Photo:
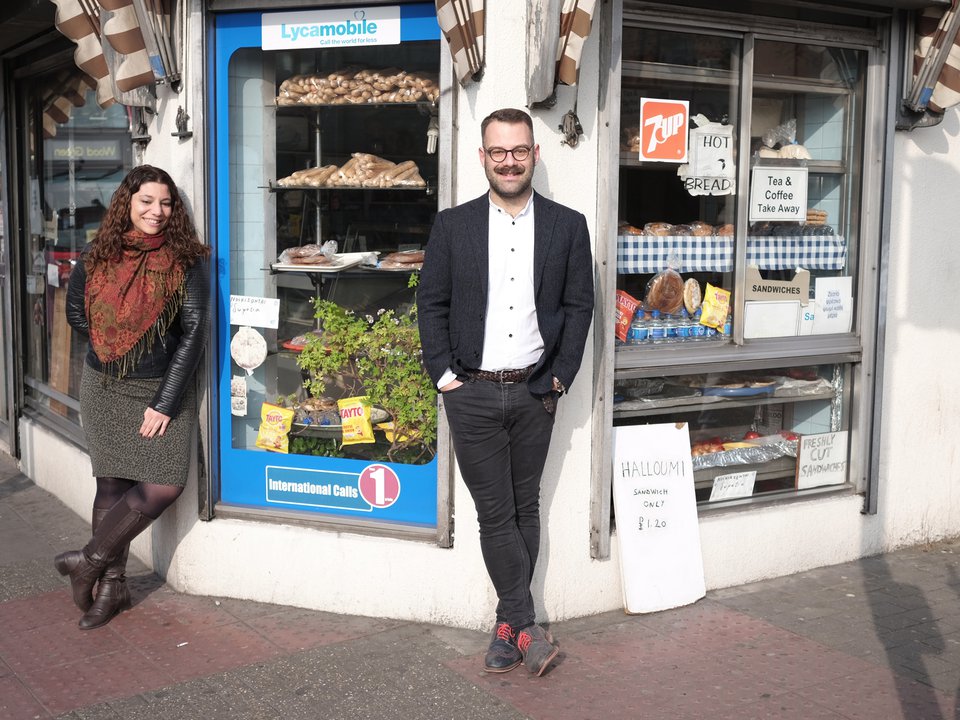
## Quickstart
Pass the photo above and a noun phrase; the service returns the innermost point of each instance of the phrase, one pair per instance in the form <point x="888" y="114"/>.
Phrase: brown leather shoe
<point x="113" y="595"/>
<point x="503" y="654"/>
<point x="537" y="647"/>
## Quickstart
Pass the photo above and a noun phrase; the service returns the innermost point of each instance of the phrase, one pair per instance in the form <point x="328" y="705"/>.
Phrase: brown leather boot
<point x="113" y="595"/>
<point x="66" y="562"/>
<point x="119" y="525"/>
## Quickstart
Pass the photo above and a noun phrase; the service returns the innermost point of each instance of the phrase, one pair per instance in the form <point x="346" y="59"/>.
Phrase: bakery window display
<point x="671" y="311"/>
<point x="353" y="178"/>
<point x="749" y="421"/>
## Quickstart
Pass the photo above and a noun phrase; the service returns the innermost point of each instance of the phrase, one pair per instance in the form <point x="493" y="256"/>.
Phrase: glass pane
<point x="747" y="428"/>
<point x="677" y="221"/>
<point x="77" y="155"/>
<point x="295" y="113"/>
<point x="806" y="128"/>
<point x="4" y="399"/>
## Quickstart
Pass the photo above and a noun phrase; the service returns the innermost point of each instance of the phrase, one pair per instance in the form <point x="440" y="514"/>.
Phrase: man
<point x="505" y="301"/>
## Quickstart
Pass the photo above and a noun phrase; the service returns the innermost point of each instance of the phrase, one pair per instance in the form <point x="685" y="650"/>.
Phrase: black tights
<point x="147" y="498"/>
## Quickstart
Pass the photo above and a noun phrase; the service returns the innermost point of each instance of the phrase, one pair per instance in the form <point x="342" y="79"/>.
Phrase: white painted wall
<point x="345" y="573"/>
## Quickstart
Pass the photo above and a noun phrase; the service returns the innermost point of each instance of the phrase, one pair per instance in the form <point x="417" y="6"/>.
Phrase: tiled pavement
<point x="877" y="639"/>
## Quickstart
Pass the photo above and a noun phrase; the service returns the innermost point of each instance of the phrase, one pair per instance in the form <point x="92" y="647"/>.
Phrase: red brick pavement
<point x="49" y="666"/>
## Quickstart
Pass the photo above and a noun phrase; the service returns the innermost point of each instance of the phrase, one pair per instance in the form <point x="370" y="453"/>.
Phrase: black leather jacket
<point x="175" y="355"/>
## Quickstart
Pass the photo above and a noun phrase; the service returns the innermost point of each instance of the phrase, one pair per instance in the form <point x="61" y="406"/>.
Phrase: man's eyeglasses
<point x="497" y="154"/>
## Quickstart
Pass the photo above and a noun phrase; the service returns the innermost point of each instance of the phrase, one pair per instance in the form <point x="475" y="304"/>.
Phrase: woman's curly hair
<point x="181" y="236"/>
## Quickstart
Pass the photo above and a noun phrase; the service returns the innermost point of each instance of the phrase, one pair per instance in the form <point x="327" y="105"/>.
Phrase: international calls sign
<point x="343" y="27"/>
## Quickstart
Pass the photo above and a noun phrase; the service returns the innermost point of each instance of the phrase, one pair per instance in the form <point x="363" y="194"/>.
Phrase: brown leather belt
<point x="504" y="377"/>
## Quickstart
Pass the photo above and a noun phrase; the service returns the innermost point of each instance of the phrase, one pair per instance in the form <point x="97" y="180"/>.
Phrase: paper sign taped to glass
<point x="711" y="170"/>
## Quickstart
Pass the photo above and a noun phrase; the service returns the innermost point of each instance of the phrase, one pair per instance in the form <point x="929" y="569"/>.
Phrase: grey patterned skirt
<point x="111" y="412"/>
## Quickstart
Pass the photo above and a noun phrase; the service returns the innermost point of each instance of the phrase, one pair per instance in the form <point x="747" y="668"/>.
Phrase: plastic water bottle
<point x="638" y="332"/>
<point x="700" y="332"/>
<point x="684" y="326"/>
<point x="670" y="328"/>
<point x="657" y="333"/>
<point x="727" y="325"/>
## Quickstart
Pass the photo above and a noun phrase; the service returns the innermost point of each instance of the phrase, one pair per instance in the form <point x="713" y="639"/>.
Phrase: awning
<point x="555" y="44"/>
<point x="936" y="60"/>
<point x="575" y="21"/>
<point x="462" y="24"/>
<point x="70" y="92"/>
<point x="124" y="45"/>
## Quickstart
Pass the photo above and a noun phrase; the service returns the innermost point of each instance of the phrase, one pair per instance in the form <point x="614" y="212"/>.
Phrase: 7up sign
<point x="663" y="130"/>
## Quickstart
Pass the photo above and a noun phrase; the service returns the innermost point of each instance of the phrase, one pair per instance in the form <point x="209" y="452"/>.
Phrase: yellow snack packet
<point x="716" y="304"/>
<point x="355" y="420"/>
<point x="275" y="423"/>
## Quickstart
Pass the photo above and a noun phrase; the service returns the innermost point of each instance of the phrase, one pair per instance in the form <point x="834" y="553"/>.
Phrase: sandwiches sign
<point x="343" y="27"/>
<point x="663" y="130"/>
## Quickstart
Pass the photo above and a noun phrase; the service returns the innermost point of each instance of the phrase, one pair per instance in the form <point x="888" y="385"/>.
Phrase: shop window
<point x="328" y="190"/>
<point x="75" y="155"/>
<point x="739" y="249"/>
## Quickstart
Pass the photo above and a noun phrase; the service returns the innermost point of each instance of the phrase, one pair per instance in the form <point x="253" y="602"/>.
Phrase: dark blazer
<point x="452" y="295"/>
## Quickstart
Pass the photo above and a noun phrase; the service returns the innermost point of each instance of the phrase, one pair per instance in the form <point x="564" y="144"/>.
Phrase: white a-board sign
<point x="656" y="513"/>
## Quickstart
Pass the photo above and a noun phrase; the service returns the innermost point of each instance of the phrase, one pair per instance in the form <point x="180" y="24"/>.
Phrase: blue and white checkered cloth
<point x="649" y="253"/>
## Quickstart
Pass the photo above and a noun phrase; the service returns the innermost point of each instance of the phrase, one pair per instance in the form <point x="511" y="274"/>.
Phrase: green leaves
<point x="381" y="358"/>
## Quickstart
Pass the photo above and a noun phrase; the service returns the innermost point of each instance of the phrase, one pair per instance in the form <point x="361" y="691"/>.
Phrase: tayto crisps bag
<point x="275" y="425"/>
<point x="355" y="420"/>
<point x="626" y="309"/>
<point x="716" y="304"/>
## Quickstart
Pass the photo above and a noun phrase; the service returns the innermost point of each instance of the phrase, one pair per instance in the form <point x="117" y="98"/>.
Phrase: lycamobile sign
<point x="330" y="28"/>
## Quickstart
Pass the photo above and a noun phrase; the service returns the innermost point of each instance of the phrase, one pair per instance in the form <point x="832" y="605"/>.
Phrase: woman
<point x="140" y="293"/>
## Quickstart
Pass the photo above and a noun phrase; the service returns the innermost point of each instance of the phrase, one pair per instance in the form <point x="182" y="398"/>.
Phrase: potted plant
<point x="379" y="357"/>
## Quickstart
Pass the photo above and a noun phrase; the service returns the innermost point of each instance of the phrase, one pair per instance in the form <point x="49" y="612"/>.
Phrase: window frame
<point x="856" y="350"/>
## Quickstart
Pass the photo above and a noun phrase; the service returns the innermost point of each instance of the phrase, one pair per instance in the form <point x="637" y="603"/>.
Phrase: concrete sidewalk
<point x="877" y="639"/>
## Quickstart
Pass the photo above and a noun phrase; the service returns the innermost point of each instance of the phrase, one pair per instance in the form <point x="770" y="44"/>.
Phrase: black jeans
<point x="501" y="434"/>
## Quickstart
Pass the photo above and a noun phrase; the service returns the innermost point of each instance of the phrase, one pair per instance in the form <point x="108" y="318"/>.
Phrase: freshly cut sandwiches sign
<point x="343" y="27"/>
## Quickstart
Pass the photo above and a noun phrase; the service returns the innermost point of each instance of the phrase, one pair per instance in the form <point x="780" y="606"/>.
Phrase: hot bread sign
<point x="663" y="130"/>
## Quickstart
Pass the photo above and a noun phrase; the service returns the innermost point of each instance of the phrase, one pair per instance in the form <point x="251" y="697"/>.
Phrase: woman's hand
<point x="154" y="423"/>
<point x="452" y="385"/>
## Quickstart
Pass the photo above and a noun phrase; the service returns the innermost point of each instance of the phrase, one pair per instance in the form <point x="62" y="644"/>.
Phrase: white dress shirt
<point x="511" y="335"/>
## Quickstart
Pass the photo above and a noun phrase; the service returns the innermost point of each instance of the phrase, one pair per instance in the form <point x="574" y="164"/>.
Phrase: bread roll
<point x="406" y="256"/>
<point x="665" y="292"/>
<point x="691" y="295"/>
<point x="658" y="228"/>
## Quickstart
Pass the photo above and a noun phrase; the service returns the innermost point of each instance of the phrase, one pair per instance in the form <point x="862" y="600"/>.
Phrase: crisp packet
<point x="626" y="309"/>
<point x="355" y="420"/>
<point x="275" y="423"/>
<point x="716" y="304"/>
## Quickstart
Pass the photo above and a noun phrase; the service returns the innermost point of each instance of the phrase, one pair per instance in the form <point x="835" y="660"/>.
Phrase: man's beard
<point x="509" y="192"/>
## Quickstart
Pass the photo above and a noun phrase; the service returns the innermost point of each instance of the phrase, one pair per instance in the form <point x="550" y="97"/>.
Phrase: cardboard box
<point x="759" y="289"/>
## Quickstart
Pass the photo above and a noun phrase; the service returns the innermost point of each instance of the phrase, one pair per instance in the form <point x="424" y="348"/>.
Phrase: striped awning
<point x="555" y="44"/>
<point x="70" y="93"/>
<point x="124" y="45"/>
<point x="462" y="24"/>
<point x="936" y="60"/>
<point x="575" y="21"/>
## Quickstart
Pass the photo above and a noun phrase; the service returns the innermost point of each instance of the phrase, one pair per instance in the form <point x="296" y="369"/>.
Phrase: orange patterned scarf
<point x="133" y="301"/>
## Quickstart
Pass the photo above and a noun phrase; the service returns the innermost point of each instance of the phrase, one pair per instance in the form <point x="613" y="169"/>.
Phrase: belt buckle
<point x="501" y="375"/>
